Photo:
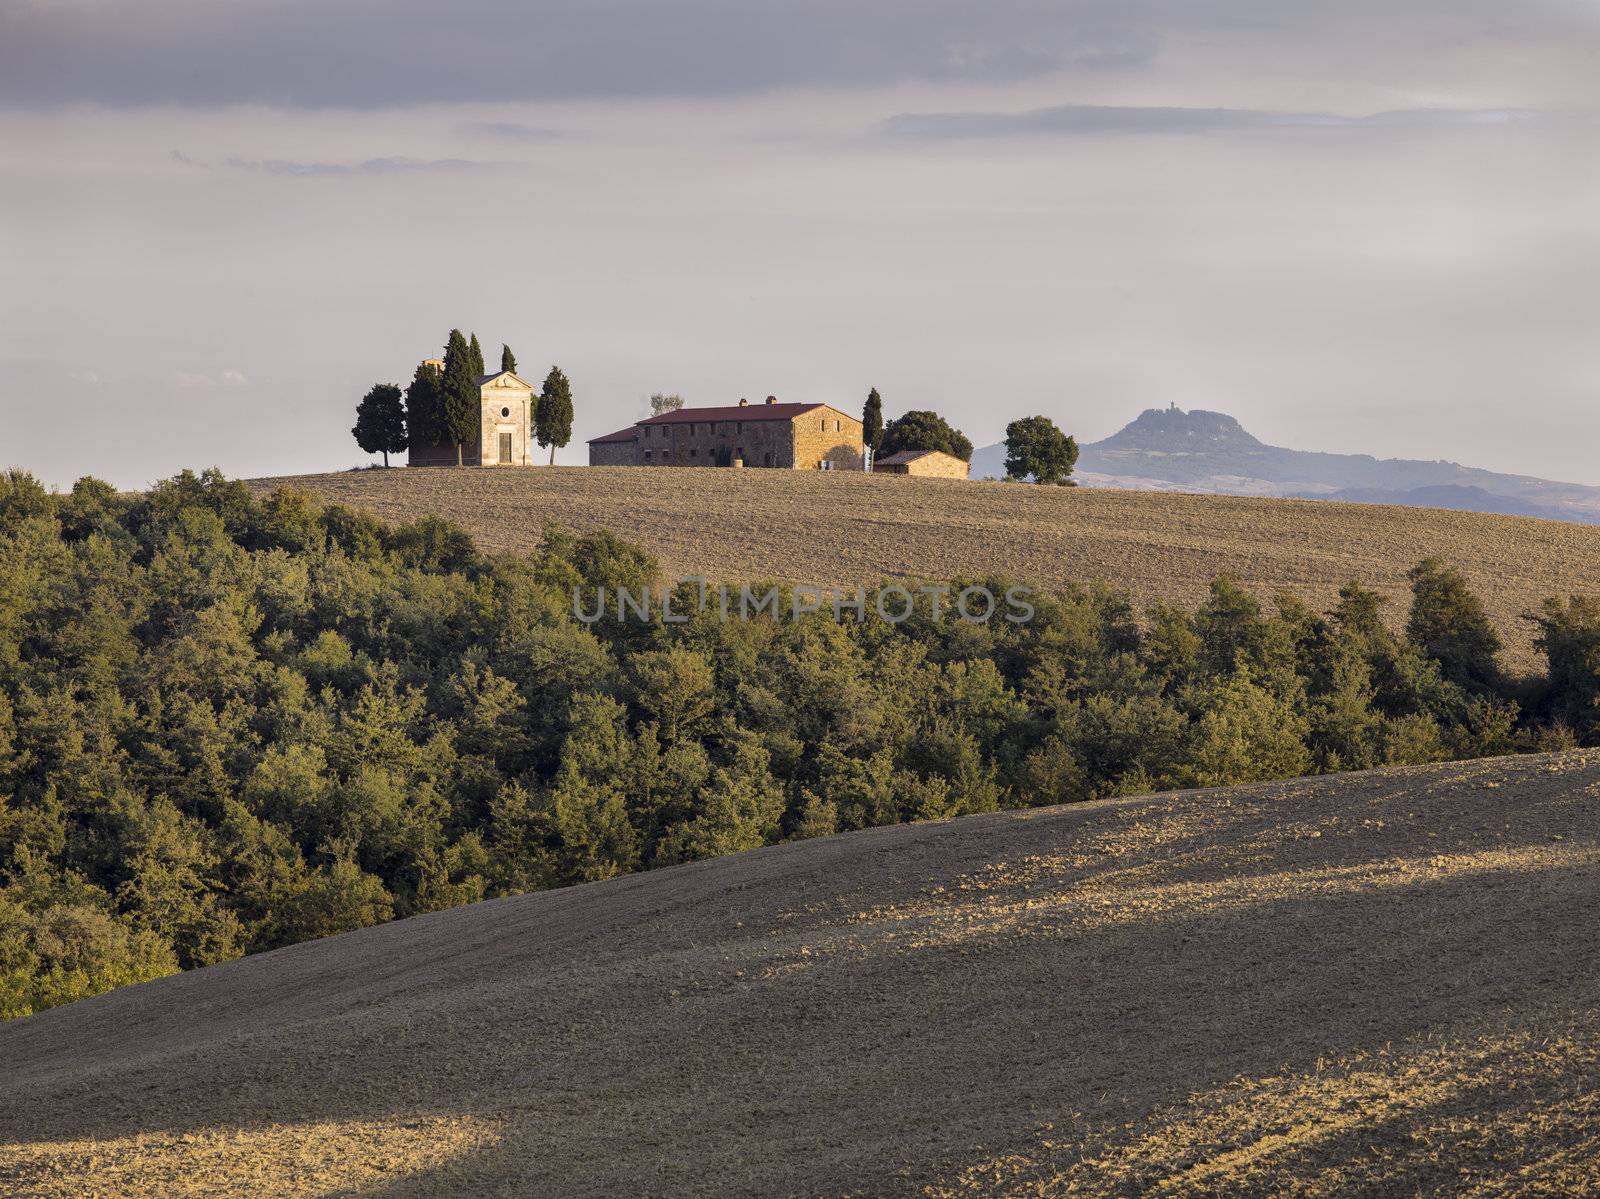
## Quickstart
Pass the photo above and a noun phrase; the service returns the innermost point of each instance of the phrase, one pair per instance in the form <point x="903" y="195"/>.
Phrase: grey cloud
<point x="510" y="131"/>
<point x="1096" y="118"/>
<point x="367" y="54"/>
<point x="386" y="53"/>
<point x="370" y="166"/>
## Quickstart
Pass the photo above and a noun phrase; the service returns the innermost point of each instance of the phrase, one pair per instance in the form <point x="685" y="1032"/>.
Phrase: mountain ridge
<point x="1170" y="449"/>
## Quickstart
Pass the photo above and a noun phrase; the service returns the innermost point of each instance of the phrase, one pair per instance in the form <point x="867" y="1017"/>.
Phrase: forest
<point x="229" y="724"/>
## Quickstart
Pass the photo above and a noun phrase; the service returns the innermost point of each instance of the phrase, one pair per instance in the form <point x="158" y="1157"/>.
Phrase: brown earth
<point x="1369" y="984"/>
<point x="846" y="529"/>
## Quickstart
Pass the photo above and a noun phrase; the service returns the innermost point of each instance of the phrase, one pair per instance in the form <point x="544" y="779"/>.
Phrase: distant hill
<point x="1376" y="983"/>
<point x="1210" y="452"/>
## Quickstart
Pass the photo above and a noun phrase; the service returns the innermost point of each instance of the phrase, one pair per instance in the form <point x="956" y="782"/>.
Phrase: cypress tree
<point x="872" y="421"/>
<point x="381" y="422"/>
<point x="463" y="421"/>
<point x="508" y="360"/>
<point x="424" y="420"/>
<point x="476" y="352"/>
<point x="552" y="413"/>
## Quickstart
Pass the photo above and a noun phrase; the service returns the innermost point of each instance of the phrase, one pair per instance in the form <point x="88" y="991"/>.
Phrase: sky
<point x="1365" y="227"/>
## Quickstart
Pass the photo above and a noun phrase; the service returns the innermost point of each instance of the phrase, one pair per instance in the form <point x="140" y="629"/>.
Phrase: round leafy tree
<point x="922" y="430"/>
<point x="1034" y="446"/>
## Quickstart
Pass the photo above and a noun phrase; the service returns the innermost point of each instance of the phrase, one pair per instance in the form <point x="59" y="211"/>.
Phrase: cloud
<point x="510" y="131"/>
<point x="402" y="53"/>
<point x="194" y="379"/>
<point x="358" y="54"/>
<point x="370" y="166"/>
<point x="1111" y="119"/>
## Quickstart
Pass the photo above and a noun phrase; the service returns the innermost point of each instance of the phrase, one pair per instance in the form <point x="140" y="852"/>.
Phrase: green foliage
<point x="67" y="951"/>
<point x="1449" y="625"/>
<point x="1569" y="638"/>
<point x="508" y="360"/>
<point x="22" y="496"/>
<point x="1245" y="733"/>
<point x="921" y="430"/>
<point x="1036" y="448"/>
<point x="872" y="420"/>
<point x="552" y="412"/>
<point x="475" y="357"/>
<point x="461" y="397"/>
<point x="381" y="421"/>
<point x="229" y="724"/>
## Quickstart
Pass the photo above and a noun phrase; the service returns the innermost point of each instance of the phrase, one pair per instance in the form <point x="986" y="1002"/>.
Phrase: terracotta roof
<point x="755" y="411"/>
<point x="905" y="456"/>
<point x="482" y="379"/>
<point x="631" y="433"/>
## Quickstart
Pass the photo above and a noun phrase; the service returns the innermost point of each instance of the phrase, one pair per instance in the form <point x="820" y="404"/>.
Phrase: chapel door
<point x="505" y="449"/>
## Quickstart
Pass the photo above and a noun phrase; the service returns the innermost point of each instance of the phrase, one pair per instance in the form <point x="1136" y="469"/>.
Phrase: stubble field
<point x="1368" y="984"/>
<point x="848" y="529"/>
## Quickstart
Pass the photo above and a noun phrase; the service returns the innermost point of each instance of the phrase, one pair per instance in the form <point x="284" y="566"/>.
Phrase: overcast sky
<point x="1366" y="226"/>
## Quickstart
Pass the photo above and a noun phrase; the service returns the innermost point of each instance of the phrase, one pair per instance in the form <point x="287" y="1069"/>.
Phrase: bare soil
<point x="847" y="529"/>
<point x="1367" y="984"/>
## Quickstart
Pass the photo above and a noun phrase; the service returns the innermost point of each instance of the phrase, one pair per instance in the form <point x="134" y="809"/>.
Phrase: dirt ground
<point x="1370" y="984"/>
<point x="847" y="529"/>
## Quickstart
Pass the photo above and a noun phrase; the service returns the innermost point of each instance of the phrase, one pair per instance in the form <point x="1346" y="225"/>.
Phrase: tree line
<point x="1035" y="447"/>
<point x="443" y="406"/>
<point x="229" y="723"/>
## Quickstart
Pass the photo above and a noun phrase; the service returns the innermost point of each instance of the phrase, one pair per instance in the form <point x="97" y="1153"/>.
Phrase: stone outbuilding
<point x="505" y="426"/>
<point x="786" y="436"/>
<point x="932" y="464"/>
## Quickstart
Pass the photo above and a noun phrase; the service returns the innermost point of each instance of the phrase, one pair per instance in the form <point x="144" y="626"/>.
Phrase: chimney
<point x="772" y="399"/>
<point x="743" y="403"/>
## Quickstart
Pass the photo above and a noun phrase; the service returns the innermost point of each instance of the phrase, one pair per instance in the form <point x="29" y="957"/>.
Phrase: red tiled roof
<point x="631" y="433"/>
<point x="905" y="456"/>
<point x="684" y="416"/>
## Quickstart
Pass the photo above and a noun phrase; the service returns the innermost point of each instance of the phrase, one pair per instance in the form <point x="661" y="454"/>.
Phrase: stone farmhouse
<point x="505" y="425"/>
<point x="932" y="464"/>
<point x="789" y="436"/>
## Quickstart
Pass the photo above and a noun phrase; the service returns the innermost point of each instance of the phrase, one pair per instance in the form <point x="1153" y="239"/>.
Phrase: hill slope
<point x="844" y="529"/>
<point x="1378" y="983"/>
<point x="1168" y="448"/>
